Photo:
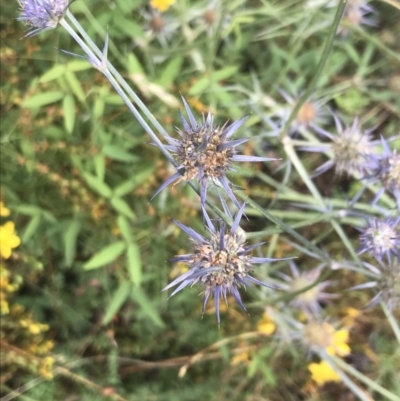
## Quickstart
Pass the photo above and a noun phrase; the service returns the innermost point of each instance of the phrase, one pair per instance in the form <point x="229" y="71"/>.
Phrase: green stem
<point x="392" y="321"/>
<point x="334" y="360"/>
<point x="288" y="229"/>
<point x="320" y="67"/>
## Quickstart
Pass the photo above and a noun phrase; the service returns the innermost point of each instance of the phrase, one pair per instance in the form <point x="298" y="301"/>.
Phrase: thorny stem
<point x="318" y="71"/>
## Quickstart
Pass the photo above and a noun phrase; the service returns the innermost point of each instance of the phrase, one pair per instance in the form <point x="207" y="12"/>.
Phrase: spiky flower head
<point x="204" y="152"/>
<point x="387" y="281"/>
<point x="42" y="15"/>
<point x="312" y="113"/>
<point x="381" y="238"/>
<point x="387" y="171"/>
<point x="355" y="14"/>
<point x="352" y="149"/>
<point x="221" y="262"/>
<point x="309" y="300"/>
<point x="323" y="336"/>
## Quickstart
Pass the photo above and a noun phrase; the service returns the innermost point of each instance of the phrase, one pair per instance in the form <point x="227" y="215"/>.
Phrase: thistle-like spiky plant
<point x="381" y="238"/>
<point x="221" y="263"/>
<point x="42" y="15"/>
<point x="204" y="152"/>
<point x="352" y="149"/>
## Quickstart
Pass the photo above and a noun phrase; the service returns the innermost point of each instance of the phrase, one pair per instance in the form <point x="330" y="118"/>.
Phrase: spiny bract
<point x="42" y="15"/>
<point x="205" y="153"/>
<point x="221" y="263"/>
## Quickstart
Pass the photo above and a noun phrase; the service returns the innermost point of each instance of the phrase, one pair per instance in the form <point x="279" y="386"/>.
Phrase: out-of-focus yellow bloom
<point x="323" y="335"/>
<point x="339" y="343"/>
<point x="4" y="212"/>
<point x="161" y="5"/>
<point x="46" y="367"/>
<point x="351" y="316"/>
<point x="266" y="325"/>
<point x="243" y="357"/>
<point x="322" y="373"/>
<point x="8" y="239"/>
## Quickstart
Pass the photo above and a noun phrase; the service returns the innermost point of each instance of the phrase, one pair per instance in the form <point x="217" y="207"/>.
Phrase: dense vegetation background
<point x="83" y="315"/>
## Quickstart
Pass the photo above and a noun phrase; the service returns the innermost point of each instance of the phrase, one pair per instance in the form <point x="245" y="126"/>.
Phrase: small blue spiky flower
<point x="308" y="301"/>
<point x="42" y="15"/>
<point x="387" y="172"/>
<point x="220" y="263"/>
<point x="204" y="152"/>
<point x="352" y="149"/>
<point x="381" y="238"/>
<point x="386" y="279"/>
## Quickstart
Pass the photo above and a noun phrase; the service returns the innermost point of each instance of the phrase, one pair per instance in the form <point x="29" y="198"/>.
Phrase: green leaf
<point x="97" y="185"/>
<point x="31" y="229"/>
<point x="43" y="99"/>
<point x="75" y="86"/>
<point x="105" y="256"/>
<point x="98" y="108"/>
<point x="134" y="264"/>
<point x="114" y="100"/>
<point x="70" y="236"/>
<point x="122" y="207"/>
<point x="129" y="28"/>
<point x="117" y="153"/>
<point x="134" y="66"/>
<point x="146" y="306"/>
<point x="224" y="73"/>
<point x="203" y="83"/>
<point x="125" y="227"/>
<point x="129" y="185"/>
<point x="69" y="113"/>
<point x="170" y="72"/>
<point x="54" y="73"/>
<point x="100" y="166"/>
<point x="78" y="65"/>
<point x="117" y="300"/>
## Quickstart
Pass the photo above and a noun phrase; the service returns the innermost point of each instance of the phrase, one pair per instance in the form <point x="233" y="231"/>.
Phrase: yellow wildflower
<point x="322" y="373"/>
<point x="323" y="335"/>
<point x="161" y="5"/>
<point x="243" y="357"/>
<point x="351" y="316"/>
<point x="266" y="325"/>
<point x="8" y="239"/>
<point x="4" y="212"/>
<point x="46" y="367"/>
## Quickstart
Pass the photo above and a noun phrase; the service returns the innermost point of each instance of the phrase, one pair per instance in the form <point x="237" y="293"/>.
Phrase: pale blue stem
<point x="393" y="322"/>
<point x="104" y="66"/>
<point x="96" y="60"/>
<point x="118" y="77"/>
<point x="335" y="361"/>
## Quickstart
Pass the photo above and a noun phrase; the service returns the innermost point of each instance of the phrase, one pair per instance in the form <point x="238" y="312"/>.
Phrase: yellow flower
<point x="351" y="316"/>
<point x="339" y="343"/>
<point x="46" y="367"/>
<point x="240" y="358"/>
<point x="8" y="239"/>
<point x="266" y="325"/>
<point x="323" y="335"/>
<point x="161" y="5"/>
<point x="322" y="373"/>
<point x="4" y="212"/>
